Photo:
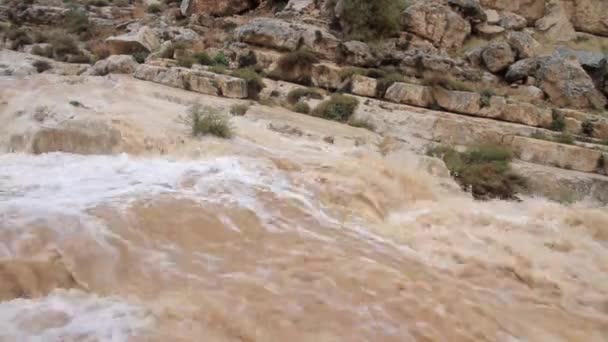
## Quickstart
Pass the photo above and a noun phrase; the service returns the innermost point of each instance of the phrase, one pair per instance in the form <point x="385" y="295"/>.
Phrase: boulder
<point x="554" y="154"/>
<point x="591" y="16"/>
<point x="326" y="75"/>
<point x="572" y="126"/>
<point x="143" y="39"/>
<point x="594" y="63"/>
<point x="473" y="56"/>
<point x="530" y="9"/>
<point x="37" y="14"/>
<point x="457" y="101"/>
<point x="356" y="53"/>
<point x="410" y="94"/>
<point x="363" y="86"/>
<point x="567" y="84"/>
<point x="521" y="69"/>
<point x="470" y="9"/>
<point x="556" y="24"/>
<point x="115" y="64"/>
<point x="489" y="31"/>
<point x="216" y="7"/>
<point x="527" y="114"/>
<point x="498" y="56"/>
<point x="512" y="21"/>
<point x="492" y="17"/>
<point x="79" y="137"/>
<point x="528" y="93"/>
<point x="435" y="21"/>
<point x="283" y="35"/>
<point x="524" y="44"/>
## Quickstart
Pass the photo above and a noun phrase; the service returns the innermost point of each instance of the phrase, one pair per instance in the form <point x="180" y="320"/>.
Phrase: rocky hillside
<point x="528" y="75"/>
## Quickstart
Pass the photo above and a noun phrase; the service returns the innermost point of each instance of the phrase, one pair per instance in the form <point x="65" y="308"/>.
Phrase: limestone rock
<point x="527" y="114"/>
<point x="594" y="63"/>
<point x="436" y="22"/>
<point x="591" y="16"/>
<point x="524" y="44"/>
<point x="357" y="53"/>
<point x="283" y="35"/>
<point x="457" y="101"/>
<point x="498" y="56"/>
<point x="115" y="64"/>
<point x="521" y="69"/>
<point x="567" y="84"/>
<point x="326" y="75"/>
<point x="143" y="39"/>
<point x="556" y="24"/>
<point x="216" y="7"/>
<point x="512" y="21"/>
<point x="489" y="31"/>
<point x="553" y="154"/>
<point x="492" y="17"/>
<point x="470" y="9"/>
<point x="411" y="94"/>
<point x="363" y="86"/>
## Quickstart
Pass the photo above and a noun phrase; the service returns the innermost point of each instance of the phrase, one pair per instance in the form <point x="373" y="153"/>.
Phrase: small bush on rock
<point x="239" y="109"/>
<point x="302" y="107"/>
<point x="558" y="124"/>
<point x="295" y="95"/>
<point x="41" y="66"/>
<point x="185" y="61"/>
<point x="205" y="120"/>
<point x="154" y="9"/>
<point x="203" y="58"/>
<point x="77" y="21"/>
<point x="339" y="108"/>
<point x="484" y="170"/>
<point x="255" y="84"/>
<point x="296" y="67"/>
<point x="221" y="59"/>
<point x="366" y="20"/>
<point x="19" y="38"/>
<point x="140" y="57"/>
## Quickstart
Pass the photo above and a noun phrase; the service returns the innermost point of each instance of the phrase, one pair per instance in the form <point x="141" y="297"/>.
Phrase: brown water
<point x="299" y="248"/>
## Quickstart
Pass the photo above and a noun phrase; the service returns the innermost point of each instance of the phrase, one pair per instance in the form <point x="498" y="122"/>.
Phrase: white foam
<point x="72" y="315"/>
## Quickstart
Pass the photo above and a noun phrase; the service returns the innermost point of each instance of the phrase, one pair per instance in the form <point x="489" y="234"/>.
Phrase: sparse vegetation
<point x="19" y="38"/>
<point x="255" y="84"/>
<point x="76" y="103"/>
<point x="449" y="83"/>
<point x="203" y="58"/>
<point x="77" y="22"/>
<point x="588" y="128"/>
<point x="362" y="123"/>
<point x="295" y="95"/>
<point x="484" y="170"/>
<point x="339" y="108"/>
<point x="302" y="108"/>
<point x="185" y="61"/>
<point x="248" y="59"/>
<point x="221" y="59"/>
<point x="558" y="124"/>
<point x="564" y="139"/>
<point x="239" y="109"/>
<point x="295" y="66"/>
<point x="365" y="20"/>
<point x="140" y="57"/>
<point x="205" y="120"/>
<point x="154" y="8"/>
<point x="41" y="66"/>
<point x="486" y="96"/>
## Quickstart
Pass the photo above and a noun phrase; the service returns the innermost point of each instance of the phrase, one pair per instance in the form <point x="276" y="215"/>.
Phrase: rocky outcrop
<point x="567" y="84"/>
<point x="512" y="21"/>
<point x="457" y="101"/>
<point x="521" y="69"/>
<point x="115" y="64"/>
<point x="283" y="35"/>
<point x="553" y="154"/>
<point x="435" y="21"/>
<point x="410" y="94"/>
<point x="594" y="63"/>
<point x="144" y="39"/>
<point x="556" y="24"/>
<point x="363" y="86"/>
<point x="498" y="56"/>
<point x="356" y="53"/>
<point x="199" y="81"/>
<point x="217" y="7"/>
<point x="326" y="76"/>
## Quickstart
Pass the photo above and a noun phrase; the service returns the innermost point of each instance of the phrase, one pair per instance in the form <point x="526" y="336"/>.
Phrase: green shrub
<point x="302" y="107"/>
<point x="218" y="69"/>
<point x="558" y="124"/>
<point x="206" y="120"/>
<point x="449" y="83"/>
<point x="339" y="108"/>
<point x="255" y="84"/>
<point x="140" y="57"/>
<point x="185" y="61"/>
<point x="154" y="9"/>
<point x="295" y="95"/>
<point x="486" y="96"/>
<point x="203" y="58"/>
<point x="99" y="3"/>
<point x="41" y="66"/>
<point x="484" y="170"/>
<point x="221" y="59"/>
<point x="366" y="20"/>
<point x="295" y="66"/>
<point x="76" y="21"/>
<point x="76" y="103"/>
<point x="44" y="52"/>
<point x="247" y="60"/>
<point x="588" y="128"/>
<point x="386" y="81"/>
<point x="63" y="45"/>
<point x="239" y="109"/>
<point x="19" y="38"/>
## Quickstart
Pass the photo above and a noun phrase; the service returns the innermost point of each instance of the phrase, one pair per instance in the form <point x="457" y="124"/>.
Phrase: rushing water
<point x="235" y="248"/>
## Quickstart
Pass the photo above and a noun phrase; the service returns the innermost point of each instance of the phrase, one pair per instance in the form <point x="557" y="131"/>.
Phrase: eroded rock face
<point x="356" y="53"/>
<point x="591" y="16"/>
<point x="143" y="39"/>
<point x="567" y="84"/>
<point x="410" y="94"/>
<point x="498" y="56"/>
<point x="363" y="86"/>
<point x="524" y="44"/>
<point x="435" y="21"/>
<point x="217" y="7"/>
<point x="457" y="101"/>
<point x="283" y="35"/>
<point x="530" y="9"/>
<point x="556" y="24"/>
<point x="325" y="75"/>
